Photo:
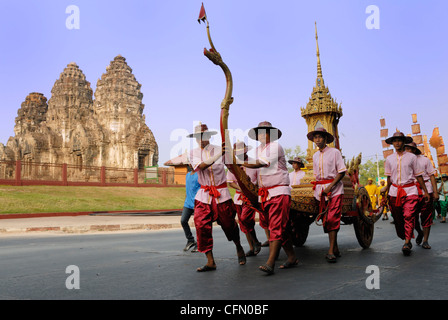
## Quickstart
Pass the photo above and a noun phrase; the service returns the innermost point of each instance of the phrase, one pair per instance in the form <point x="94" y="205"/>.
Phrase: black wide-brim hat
<point x="274" y="133"/>
<point x="297" y="160"/>
<point x="321" y="131"/>
<point x="413" y="146"/>
<point x="201" y="130"/>
<point x="399" y="135"/>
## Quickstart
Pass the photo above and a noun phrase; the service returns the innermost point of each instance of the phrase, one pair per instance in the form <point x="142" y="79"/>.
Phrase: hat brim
<point x="298" y="162"/>
<point x="199" y="134"/>
<point x="406" y="139"/>
<point x="413" y="148"/>
<point x="253" y="133"/>
<point x="329" y="136"/>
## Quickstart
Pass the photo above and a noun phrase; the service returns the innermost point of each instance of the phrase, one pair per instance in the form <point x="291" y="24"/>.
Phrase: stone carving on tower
<point x="119" y="109"/>
<point x="70" y="116"/>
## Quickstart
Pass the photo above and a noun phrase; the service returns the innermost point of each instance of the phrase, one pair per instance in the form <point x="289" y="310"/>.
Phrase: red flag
<point x="202" y="15"/>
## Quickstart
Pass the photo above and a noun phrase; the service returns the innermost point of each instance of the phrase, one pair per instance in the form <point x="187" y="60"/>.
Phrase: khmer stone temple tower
<point x="119" y="109"/>
<point x="76" y="129"/>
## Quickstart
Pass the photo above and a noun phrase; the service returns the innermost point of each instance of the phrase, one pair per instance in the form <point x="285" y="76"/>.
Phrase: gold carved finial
<point x="319" y="66"/>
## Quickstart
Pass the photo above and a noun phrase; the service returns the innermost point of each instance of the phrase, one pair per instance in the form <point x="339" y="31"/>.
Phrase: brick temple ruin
<point x="82" y="129"/>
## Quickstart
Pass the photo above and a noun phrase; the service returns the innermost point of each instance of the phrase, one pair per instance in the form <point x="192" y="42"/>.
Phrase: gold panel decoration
<point x="442" y="159"/>
<point x="443" y="169"/>
<point x="434" y="141"/>
<point x="415" y="129"/>
<point x="418" y="139"/>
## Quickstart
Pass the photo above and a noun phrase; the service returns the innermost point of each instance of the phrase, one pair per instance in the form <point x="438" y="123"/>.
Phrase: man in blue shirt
<point x="191" y="187"/>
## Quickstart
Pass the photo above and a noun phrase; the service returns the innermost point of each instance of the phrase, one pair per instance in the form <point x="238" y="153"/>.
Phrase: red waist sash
<point x="213" y="190"/>
<point x="263" y="192"/>
<point x="401" y="193"/>
<point x="420" y="192"/>
<point x="315" y="183"/>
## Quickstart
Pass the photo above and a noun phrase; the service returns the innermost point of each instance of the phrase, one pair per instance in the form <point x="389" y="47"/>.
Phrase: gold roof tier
<point x="321" y="101"/>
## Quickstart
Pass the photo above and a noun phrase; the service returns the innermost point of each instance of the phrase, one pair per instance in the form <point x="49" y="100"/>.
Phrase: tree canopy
<point x="291" y="154"/>
<point x="369" y="169"/>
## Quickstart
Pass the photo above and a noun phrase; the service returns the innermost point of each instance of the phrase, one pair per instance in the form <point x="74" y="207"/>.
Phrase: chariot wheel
<point x="364" y="222"/>
<point x="300" y="227"/>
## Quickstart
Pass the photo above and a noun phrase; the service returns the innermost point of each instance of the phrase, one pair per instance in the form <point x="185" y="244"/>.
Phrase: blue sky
<point x="269" y="47"/>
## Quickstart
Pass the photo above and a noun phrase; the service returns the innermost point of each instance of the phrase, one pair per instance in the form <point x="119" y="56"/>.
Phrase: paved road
<point x="151" y="265"/>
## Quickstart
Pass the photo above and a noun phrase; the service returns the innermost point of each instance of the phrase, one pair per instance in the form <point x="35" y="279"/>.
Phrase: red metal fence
<point x="23" y="173"/>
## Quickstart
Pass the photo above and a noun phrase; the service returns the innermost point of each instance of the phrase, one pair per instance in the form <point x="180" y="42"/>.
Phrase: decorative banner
<point x="435" y="140"/>
<point x="414" y="117"/>
<point x="417" y="139"/>
<point x="442" y="159"/>
<point x="383" y="122"/>
<point x="384" y="133"/>
<point x="422" y="149"/>
<point x="385" y="145"/>
<point x="443" y="169"/>
<point x="440" y="150"/>
<point x="415" y="128"/>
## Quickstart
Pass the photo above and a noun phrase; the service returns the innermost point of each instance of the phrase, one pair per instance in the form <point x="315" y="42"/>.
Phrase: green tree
<point x="369" y="169"/>
<point x="291" y="154"/>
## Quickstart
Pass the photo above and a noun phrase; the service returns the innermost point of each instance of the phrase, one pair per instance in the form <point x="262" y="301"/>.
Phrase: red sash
<point x="315" y="183"/>
<point x="420" y="192"/>
<point x="242" y="197"/>
<point x="401" y="193"/>
<point x="213" y="190"/>
<point x="263" y="192"/>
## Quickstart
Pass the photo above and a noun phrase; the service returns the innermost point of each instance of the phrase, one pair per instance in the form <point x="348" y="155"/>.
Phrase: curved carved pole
<point x="247" y="188"/>
<point x="214" y="56"/>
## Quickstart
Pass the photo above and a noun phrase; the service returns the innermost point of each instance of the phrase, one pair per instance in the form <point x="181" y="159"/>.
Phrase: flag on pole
<point x="202" y="15"/>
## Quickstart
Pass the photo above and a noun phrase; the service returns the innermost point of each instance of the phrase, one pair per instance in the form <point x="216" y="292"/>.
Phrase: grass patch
<point x="44" y="199"/>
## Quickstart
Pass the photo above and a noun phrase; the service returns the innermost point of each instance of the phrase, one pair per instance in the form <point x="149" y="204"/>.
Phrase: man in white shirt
<point x="213" y="201"/>
<point x="297" y="174"/>
<point x="274" y="193"/>
<point x="246" y="212"/>
<point x="401" y="169"/>
<point x="328" y="169"/>
<point x="426" y="207"/>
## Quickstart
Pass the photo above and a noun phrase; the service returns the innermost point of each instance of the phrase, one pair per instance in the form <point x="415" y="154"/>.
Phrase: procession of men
<point x="410" y="193"/>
